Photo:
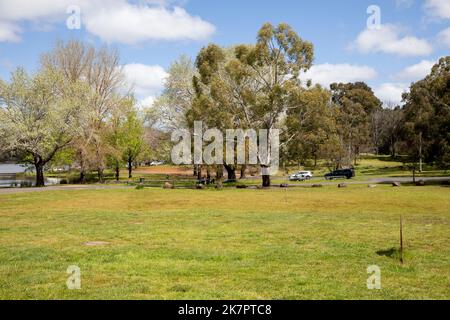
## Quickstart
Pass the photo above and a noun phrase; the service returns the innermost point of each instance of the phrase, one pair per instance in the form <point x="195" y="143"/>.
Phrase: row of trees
<point x="245" y="86"/>
<point x="260" y="86"/>
<point x="75" y="110"/>
<point x="426" y="117"/>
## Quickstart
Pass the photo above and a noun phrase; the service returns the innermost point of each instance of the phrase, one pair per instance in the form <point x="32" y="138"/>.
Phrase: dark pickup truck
<point x="340" y="174"/>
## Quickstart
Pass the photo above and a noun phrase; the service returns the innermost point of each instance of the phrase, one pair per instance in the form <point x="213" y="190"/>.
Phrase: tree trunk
<point x="39" y="165"/>
<point x="350" y="152"/>
<point x="208" y="173"/>
<point x="130" y="168"/>
<point x="266" y="181"/>
<point x="82" y="176"/>
<point x="392" y="147"/>
<point x="231" y="170"/>
<point x="117" y="172"/>
<point x="82" y="170"/>
<point x="315" y="160"/>
<point x="243" y="168"/>
<point x="199" y="172"/>
<point x="195" y="170"/>
<point x="101" y="178"/>
<point x="232" y="174"/>
<point x="338" y="163"/>
<point x="219" y="172"/>
<point x="265" y="177"/>
<point x="356" y="156"/>
<point x="420" y="153"/>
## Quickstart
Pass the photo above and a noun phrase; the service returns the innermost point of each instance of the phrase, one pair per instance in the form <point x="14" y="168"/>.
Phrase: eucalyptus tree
<point x="427" y="116"/>
<point x="311" y="121"/>
<point x="263" y="77"/>
<point x="248" y="86"/>
<point x="211" y="103"/>
<point x="39" y="115"/>
<point x="356" y="103"/>
<point x="391" y="128"/>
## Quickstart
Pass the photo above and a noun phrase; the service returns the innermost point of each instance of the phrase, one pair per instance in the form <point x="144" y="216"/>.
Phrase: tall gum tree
<point x="312" y="122"/>
<point x="264" y="76"/>
<point x="356" y="104"/>
<point x="211" y="103"/>
<point x="427" y="116"/>
<point x="252" y="84"/>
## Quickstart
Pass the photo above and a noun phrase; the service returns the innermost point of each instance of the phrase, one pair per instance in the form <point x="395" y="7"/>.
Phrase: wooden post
<point x="401" y="239"/>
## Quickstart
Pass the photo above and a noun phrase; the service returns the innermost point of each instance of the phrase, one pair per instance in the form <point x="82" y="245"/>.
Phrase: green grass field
<point x="302" y="243"/>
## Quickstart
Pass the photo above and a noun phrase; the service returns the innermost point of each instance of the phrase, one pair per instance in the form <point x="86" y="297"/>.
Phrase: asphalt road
<point x="408" y="179"/>
<point x="383" y="180"/>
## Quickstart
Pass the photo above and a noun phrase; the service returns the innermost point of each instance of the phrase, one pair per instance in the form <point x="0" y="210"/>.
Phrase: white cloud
<point x="327" y="73"/>
<point x="9" y="31"/>
<point x="389" y="38"/>
<point x="112" y="20"/>
<point x="438" y="8"/>
<point x="416" y="71"/>
<point x="17" y="10"/>
<point x="132" y="24"/>
<point x="13" y="12"/>
<point x="145" y="80"/>
<point x="391" y="92"/>
<point x="444" y="37"/>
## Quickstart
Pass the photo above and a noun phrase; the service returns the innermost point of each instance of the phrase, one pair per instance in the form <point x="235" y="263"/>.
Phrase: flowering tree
<point x="100" y="70"/>
<point x="39" y="115"/>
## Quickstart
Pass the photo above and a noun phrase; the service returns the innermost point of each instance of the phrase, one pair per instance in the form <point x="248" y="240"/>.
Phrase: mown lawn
<point x="231" y="244"/>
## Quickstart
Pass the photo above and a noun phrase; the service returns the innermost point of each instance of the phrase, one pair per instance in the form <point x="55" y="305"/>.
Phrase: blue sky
<point x="150" y="34"/>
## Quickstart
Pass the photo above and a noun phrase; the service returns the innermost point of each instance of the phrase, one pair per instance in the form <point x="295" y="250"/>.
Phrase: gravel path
<point x="385" y="180"/>
<point x="56" y="188"/>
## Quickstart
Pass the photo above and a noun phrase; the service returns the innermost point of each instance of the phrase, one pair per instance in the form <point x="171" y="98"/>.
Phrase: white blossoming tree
<point x="39" y="115"/>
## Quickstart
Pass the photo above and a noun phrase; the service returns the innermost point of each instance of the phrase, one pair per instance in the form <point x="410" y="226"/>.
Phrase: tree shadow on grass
<point x="393" y="253"/>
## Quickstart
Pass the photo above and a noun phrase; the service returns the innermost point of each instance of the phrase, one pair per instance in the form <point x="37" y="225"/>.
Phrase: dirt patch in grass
<point x="165" y="170"/>
<point x="96" y="243"/>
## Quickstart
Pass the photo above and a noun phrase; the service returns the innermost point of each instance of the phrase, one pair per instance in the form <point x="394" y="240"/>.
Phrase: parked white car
<point x="306" y="174"/>
<point x="301" y="176"/>
<point x="156" y="163"/>
<point x="296" y="177"/>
